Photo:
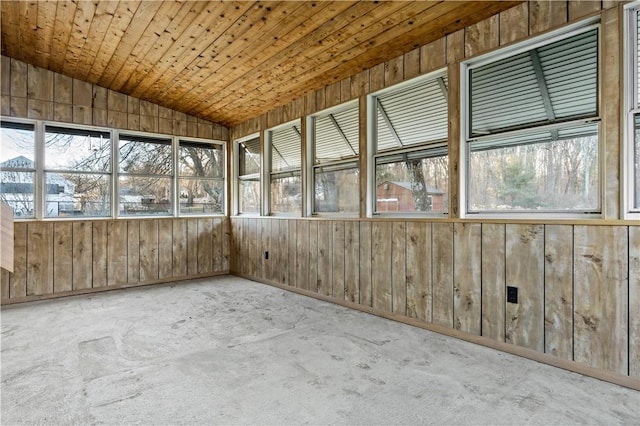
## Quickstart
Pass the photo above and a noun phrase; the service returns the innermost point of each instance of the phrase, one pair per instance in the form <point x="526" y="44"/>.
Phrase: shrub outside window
<point x="335" y="149"/>
<point x="146" y="176"/>
<point x="201" y="178"/>
<point x="411" y="157"/>
<point x="532" y="130"/>
<point x="285" y="156"/>
<point x="17" y="168"/>
<point x="249" y="175"/>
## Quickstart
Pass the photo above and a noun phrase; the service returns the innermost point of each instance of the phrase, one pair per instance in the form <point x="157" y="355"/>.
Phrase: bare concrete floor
<point x="230" y="351"/>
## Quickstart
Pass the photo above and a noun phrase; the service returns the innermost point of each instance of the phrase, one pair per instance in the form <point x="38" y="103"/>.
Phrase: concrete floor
<point x="230" y="351"/>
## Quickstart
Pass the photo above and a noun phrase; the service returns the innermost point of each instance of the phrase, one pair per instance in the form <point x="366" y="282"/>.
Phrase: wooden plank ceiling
<point x="224" y="61"/>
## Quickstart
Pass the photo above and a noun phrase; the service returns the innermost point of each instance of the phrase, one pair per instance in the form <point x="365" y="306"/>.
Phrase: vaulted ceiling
<point x="224" y="61"/>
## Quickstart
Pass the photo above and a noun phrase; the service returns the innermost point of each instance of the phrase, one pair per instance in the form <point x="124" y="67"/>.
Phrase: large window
<point x="201" y="178"/>
<point x="77" y="172"/>
<point x="532" y="128"/>
<point x="17" y="167"/>
<point x="632" y="147"/>
<point x="285" y="158"/>
<point x="146" y="174"/>
<point x="410" y="146"/>
<point x="248" y="164"/>
<point x="334" y="149"/>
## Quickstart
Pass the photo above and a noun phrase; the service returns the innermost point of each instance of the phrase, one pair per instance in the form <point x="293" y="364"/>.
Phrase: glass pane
<point x="201" y="196"/>
<point x="286" y="194"/>
<point x="75" y="194"/>
<point x="74" y="149"/>
<point x="249" y="157"/>
<point x="636" y="164"/>
<point x="201" y="160"/>
<point x="16" y="190"/>
<point x="412" y="184"/>
<point x="145" y="156"/>
<point x="546" y="84"/>
<point x="17" y="145"/>
<point x="337" y="191"/>
<point x="336" y="135"/>
<point x="249" y="195"/>
<point x="560" y="174"/>
<point x="637" y="65"/>
<point x="286" y="148"/>
<point x="145" y="196"/>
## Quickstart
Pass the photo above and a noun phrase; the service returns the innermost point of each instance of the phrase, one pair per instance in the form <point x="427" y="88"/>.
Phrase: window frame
<point x="631" y="109"/>
<point x="268" y="173"/>
<point x="373" y="154"/>
<point x="465" y="124"/>
<point x="313" y="167"/>
<point x="237" y="177"/>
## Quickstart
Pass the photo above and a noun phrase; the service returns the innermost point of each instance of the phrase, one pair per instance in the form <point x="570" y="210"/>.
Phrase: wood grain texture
<point x="544" y="15"/>
<point x="285" y="264"/>
<point x="483" y="36"/>
<point x="419" y="286"/>
<point x="634" y="301"/>
<point x="514" y="23"/>
<point x="442" y="273"/>
<point x="39" y="258"/>
<point x="149" y="267"/>
<point x="179" y="251"/>
<point x="225" y="264"/>
<point x="18" y="279"/>
<point x="133" y="251"/>
<point x="324" y="258"/>
<point x="205" y="245"/>
<point x="292" y="253"/>
<point x="116" y="252"/>
<point x="82" y="255"/>
<point x="399" y="268"/>
<point x="365" y="264"/>
<point x="601" y="297"/>
<point x="381" y="266"/>
<point x="433" y="56"/>
<point x="165" y="248"/>
<point x="313" y="256"/>
<point x="6" y="237"/>
<point x="467" y="260"/>
<point x="338" y="261"/>
<point x="192" y="247"/>
<point x="302" y="256"/>
<point x="352" y="261"/>
<point x="525" y="270"/>
<point x="62" y="257"/>
<point x="582" y="8"/>
<point x="493" y="280"/>
<point x="558" y="295"/>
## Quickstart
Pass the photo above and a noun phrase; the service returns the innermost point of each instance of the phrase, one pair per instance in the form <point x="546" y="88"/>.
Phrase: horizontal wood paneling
<point x="571" y="279"/>
<point x="71" y="257"/>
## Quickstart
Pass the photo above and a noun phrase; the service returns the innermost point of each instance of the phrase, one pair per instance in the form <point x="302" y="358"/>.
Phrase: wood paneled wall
<point x="578" y="285"/>
<point x="28" y="91"/>
<point x="72" y="257"/>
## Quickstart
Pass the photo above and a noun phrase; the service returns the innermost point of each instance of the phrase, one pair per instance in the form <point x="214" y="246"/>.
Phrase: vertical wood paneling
<point x="418" y="248"/>
<point x="302" y="255"/>
<point x="467" y="262"/>
<point x="399" y="268"/>
<point x="4" y="283"/>
<point x="525" y="270"/>
<point x="352" y="261"/>
<point x="205" y="245"/>
<point x="133" y="251"/>
<point x="18" y="279"/>
<point x="493" y="280"/>
<point x="63" y="257"/>
<point x="99" y="254"/>
<point x="285" y="262"/>
<point x="226" y="244"/>
<point x="192" y="246"/>
<point x="274" y="252"/>
<point x="217" y="242"/>
<point x="179" y="251"/>
<point x="324" y="258"/>
<point x="149" y="250"/>
<point x="433" y="56"/>
<point x="365" y="264"/>
<point x="601" y="297"/>
<point x="544" y="15"/>
<point x="313" y="256"/>
<point x="634" y="301"/>
<point x="265" y="246"/>
<point x="165" y="248"/>
<point x="453" y="111"/>
<point x="558" y="296"/>
<point x="412" y="64"/>
<point x="514" y="23"/>
<point x="292" y="242"/>
<point x="39" y="258"/>
<point x="482" y="36"/>
<point x="381" y="234"/>
<point x="442" y="267"/>
<point x="82" y="255"/>
<point x="116" y="252"/>
<point x="252" y="236"/>
<point x="337" y="282"/>
<point x="580" y="8"/>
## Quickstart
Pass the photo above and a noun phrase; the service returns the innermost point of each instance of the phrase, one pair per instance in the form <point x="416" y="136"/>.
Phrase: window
<point x="77" y="172"/>
<point x="410" y="146"/>
<point x="146" y="176"/>
<point x="201" y="178"/>
<point x="532" y="128"/>
<point x="632" y="147"/>
<point x="248" y="175"/>
<point x="335" y="160"/>
<point x="285" y="157"/>
<point x="17" y="167"/>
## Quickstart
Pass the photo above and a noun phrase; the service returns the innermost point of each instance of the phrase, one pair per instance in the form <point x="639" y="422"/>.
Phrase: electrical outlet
<point x="512" y="294"/>
<point x="266" y="255"/>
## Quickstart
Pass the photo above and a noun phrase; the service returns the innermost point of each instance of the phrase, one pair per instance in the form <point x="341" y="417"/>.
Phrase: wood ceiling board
<point x="258" y="55"/>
